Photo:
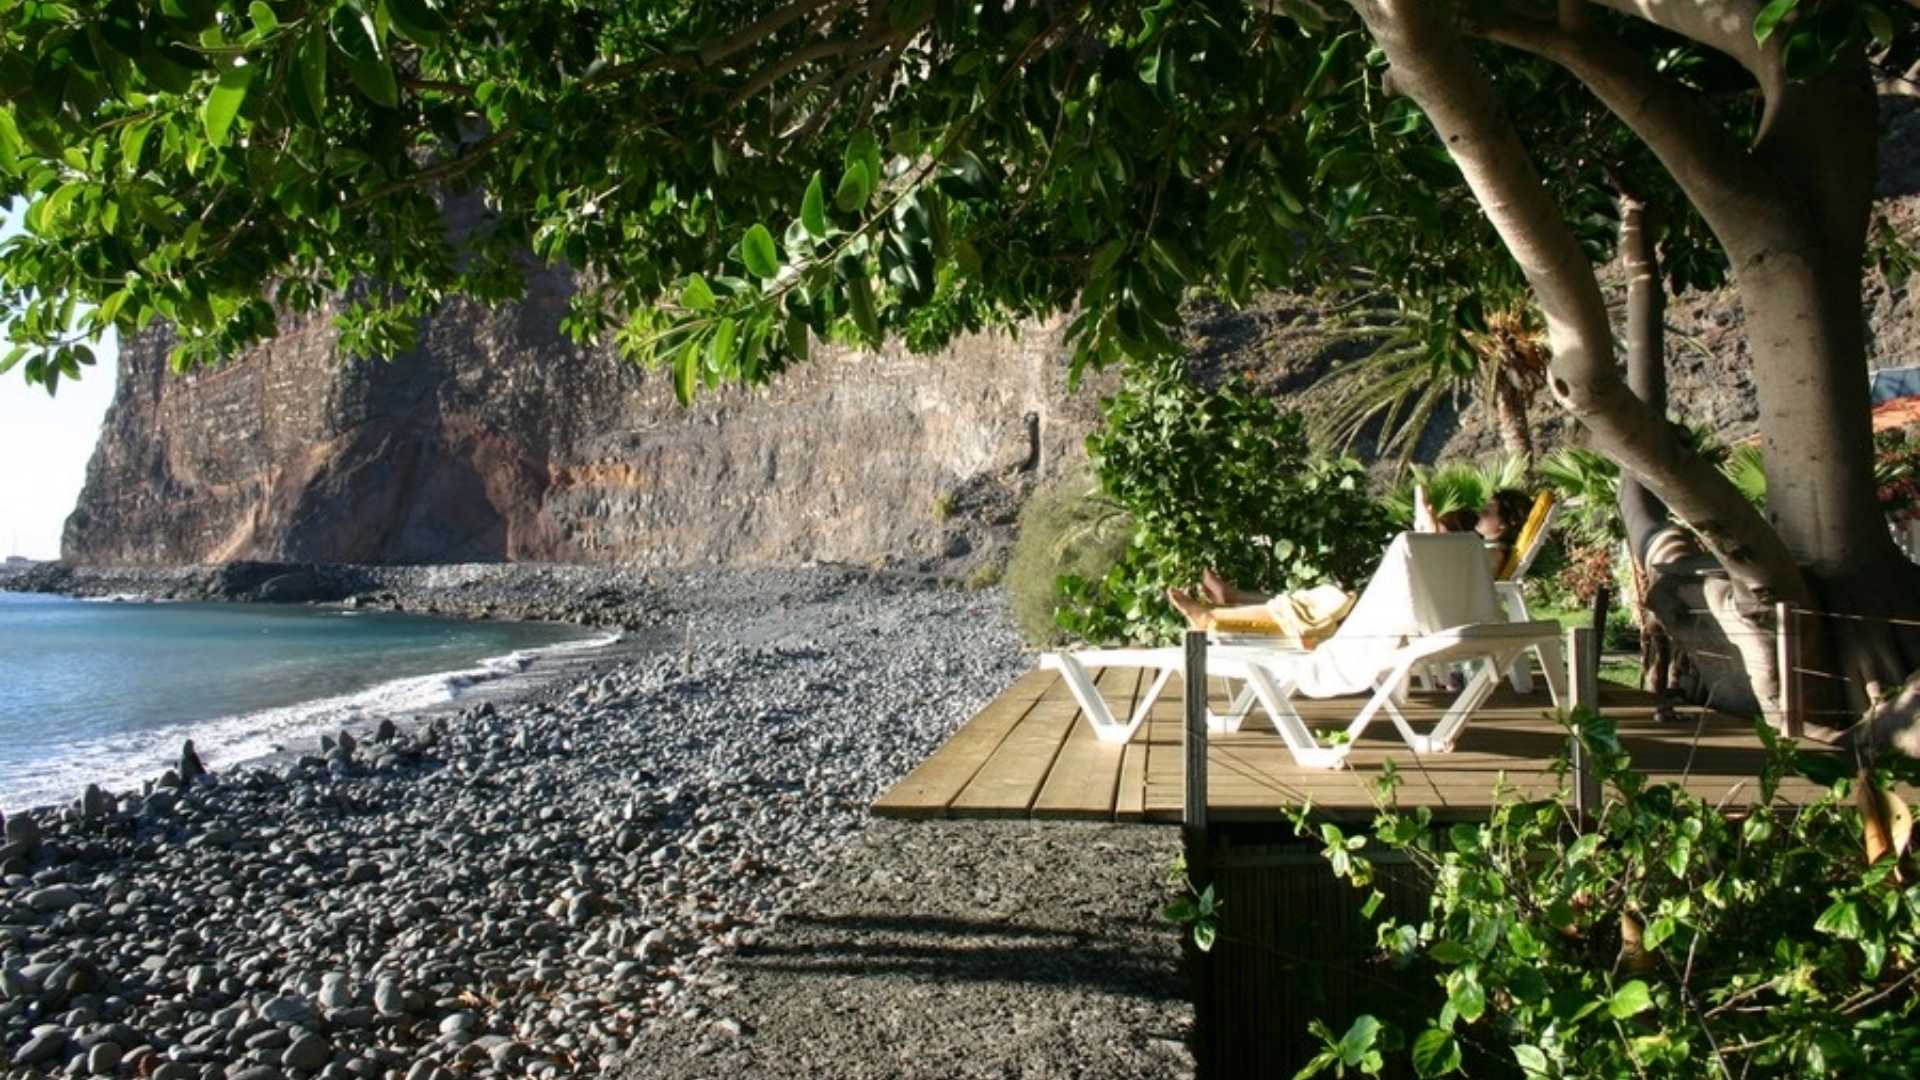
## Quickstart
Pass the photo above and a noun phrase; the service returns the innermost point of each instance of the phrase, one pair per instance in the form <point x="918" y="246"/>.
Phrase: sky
<point x="44" y="446"/>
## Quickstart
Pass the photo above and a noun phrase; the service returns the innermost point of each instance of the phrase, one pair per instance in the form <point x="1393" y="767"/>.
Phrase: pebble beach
<point x="517" y="886"/>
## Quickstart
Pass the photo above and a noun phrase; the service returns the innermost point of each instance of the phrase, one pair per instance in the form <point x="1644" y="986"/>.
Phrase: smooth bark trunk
<point x="1791" y="212"/>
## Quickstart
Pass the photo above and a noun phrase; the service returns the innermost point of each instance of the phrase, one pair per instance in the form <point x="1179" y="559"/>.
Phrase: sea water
<point x="106" y="692"/>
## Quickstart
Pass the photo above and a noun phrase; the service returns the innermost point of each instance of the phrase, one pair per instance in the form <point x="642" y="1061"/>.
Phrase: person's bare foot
<point x="1196" y="611"/>
<point x="1213" y="585"/>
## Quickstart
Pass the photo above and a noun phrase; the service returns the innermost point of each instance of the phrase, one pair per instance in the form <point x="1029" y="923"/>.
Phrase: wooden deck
<point x="1029" y="754"/>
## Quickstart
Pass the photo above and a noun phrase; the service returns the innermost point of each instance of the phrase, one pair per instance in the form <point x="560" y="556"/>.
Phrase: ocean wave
<point x="129" y="759"/>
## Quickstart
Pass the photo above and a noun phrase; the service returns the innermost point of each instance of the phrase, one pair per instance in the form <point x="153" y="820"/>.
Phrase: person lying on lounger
<point x="1310" y="614"/>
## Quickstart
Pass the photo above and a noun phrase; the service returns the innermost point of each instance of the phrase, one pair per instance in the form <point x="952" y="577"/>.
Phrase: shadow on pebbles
<point x="952" y="949"/>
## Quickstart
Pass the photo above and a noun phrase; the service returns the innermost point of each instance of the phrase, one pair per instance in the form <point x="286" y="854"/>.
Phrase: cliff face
<point x="496" y="440"/>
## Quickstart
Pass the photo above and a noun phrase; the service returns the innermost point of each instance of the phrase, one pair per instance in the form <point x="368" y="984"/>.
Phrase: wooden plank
<point x="1009" y="780"/>
<point x="1156" y="740"/>
<point x="929" y="790"/>
<point x="1029" y="753"/>
<point x="1084" y="782"/>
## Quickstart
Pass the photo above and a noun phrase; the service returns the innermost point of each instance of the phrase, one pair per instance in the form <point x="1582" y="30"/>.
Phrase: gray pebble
<point x="104" y="1058"/>
<point x="52" y="898"/>
<point x="509" y="888"/>
<point x="43" y="1046"/>
<point x="309" y="1053"/>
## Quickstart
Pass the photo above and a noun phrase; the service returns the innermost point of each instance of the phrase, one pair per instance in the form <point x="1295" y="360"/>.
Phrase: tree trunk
<point x="1791" y="214"/>
<point x="1691" y="617"/>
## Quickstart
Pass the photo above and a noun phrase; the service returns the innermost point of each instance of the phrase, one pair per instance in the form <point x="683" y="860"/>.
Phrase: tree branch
<point x="766" y="26"/>
<point x="1725" y="26"/>
<point x="1433" y="66"/>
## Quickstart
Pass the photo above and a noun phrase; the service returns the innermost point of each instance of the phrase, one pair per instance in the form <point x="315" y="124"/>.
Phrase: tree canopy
<point x="731" y="181"/>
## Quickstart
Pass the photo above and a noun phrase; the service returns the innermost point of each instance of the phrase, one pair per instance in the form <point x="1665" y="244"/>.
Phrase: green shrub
<point x="1220" y="479"/>
<point x="1067" y="528"/>
<point x="1664" y="938"/>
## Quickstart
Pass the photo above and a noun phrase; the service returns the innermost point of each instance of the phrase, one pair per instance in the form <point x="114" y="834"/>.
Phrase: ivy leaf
<point x="1842" y="920"/>
<point x="1466" y="995"/>
<point x="1359" y="1040"/>
<point x="223" y="103"/>
<point x="1657" y="932"/>
<point x="686" y="369"/>
<point x="1532" y="1060"/>
<point x="1631" y="999"/>
<point x="860" y="302"/>
<point x="263" y="19"/>
<point x="758" y="252"/>
<point x="967" y="177"/>
<point x="1435" y="1053"/>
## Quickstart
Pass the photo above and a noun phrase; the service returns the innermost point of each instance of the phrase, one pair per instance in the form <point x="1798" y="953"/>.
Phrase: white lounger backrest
<point x="1426" y="582"/>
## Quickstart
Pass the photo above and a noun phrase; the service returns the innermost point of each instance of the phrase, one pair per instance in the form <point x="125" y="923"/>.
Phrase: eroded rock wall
<point x="497" y="440"/>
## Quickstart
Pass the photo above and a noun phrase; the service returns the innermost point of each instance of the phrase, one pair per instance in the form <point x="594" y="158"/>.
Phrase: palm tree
<point x="1513" y="353"/>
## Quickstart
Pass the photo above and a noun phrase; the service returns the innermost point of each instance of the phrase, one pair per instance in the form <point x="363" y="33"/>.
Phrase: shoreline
<point x="268" y="732"/>
<point x="514" y="887"/>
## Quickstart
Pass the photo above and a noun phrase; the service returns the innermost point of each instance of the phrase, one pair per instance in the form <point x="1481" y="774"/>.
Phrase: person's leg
<point x="1204" y="616"/>
<point x="1220" y="591"/>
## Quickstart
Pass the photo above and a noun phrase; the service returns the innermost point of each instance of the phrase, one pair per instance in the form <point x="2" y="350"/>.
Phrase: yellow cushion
<point x="1302" y="618"/>
<point x="1536" y="520"/>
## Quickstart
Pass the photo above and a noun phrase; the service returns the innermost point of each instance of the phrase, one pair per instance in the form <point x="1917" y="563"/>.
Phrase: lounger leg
<point x="1486" y="676"/>
<point x="1276" y="697"/>
<point x="1099" y="714"/>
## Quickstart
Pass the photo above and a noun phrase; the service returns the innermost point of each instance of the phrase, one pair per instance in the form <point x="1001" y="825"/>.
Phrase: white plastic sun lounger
<point x="1431" y="604"/>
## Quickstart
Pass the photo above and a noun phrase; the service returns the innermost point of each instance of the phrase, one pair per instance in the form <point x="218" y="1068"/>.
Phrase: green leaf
<point x="194" y="14"/>
<point x="1657" y="931"/>
<point x="855" y="188"/>
<point x="1770" y="17"/>
<point x="1359" y="1039"/>
<point x="419" y="21"/>
<point x="262" y="16"/>
<point x="133" y="143"/>
<point x="1450" y="952"/>
<point x="813" y="207"/>
<point x="1435" y="1053"/>
<point x="1466" y="995"/>
<point x="1630" y="1000"/>
<point x="758" y="252"/>
<point x="1823" y="767"/>
<point x="696" y="294"/>
<point x="367" y="62"/>
<point x="223" y="103"/>
<point x="967" y="177"/>
<point x="686" y="369"/>
<point x="10" y="143"/>
<point x="1205" y="933"/>
<point x="1532" y="1060"/>
<point x="860" y="303"/>
<point x="1842" y="920"/>
<point x="167" y="65"/>
<point x="720" y="350"/>
<point x="307" y="81"/>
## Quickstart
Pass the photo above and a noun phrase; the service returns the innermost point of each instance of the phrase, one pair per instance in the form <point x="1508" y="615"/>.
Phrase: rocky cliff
<point x="497" y="440"/>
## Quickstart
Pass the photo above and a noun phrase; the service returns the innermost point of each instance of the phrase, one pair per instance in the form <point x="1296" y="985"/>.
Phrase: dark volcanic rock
<point x="497" y="440"/>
